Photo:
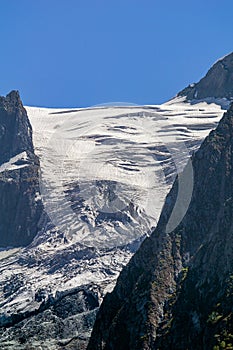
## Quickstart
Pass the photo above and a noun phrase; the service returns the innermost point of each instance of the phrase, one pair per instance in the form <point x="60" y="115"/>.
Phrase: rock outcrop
<point x="216" y="84"/>
<point x="177" y="290"/>
<point x="20" y="204"/>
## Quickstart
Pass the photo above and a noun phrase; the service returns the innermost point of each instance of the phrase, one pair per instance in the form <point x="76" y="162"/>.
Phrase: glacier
<point x="105" y="173"/>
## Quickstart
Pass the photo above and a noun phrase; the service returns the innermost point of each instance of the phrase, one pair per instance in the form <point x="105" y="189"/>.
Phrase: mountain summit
<point x="218" y="82"/>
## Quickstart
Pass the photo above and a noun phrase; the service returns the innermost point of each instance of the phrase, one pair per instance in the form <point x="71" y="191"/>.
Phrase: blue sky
<point x="68" y="53"/>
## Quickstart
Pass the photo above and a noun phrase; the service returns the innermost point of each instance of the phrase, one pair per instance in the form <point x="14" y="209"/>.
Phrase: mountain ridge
<point x="217" y="83"/>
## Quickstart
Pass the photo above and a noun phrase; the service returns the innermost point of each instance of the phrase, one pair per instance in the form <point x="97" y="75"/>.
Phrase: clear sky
<point x="69" y="53"/>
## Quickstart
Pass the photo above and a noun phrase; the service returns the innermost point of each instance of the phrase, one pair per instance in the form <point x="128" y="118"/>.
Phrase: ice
<point x="114" y="144"/>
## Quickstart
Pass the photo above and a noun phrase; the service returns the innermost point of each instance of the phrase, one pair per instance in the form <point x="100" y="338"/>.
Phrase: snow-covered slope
<point x="105" y="171"/>
<point x="105" y="174"/>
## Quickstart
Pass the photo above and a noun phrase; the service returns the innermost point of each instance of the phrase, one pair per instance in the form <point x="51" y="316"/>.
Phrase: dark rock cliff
<point x="217" y="83"/>
<point x="177" y="290"/>
<point x="15" y="128"/>
<point x="20" y="206"/>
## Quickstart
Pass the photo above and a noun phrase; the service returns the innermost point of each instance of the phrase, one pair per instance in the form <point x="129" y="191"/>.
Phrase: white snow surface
<point x="114" y="160"/>
<point x="105" y="174"/>
<point x="11" y="164"/>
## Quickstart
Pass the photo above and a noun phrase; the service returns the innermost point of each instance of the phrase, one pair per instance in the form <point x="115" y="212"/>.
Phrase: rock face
<point x="54" y="323"/>
<point x="15" y="128"/>
<point x="177" y="290"/>
<point x="217" y="82"/>
<point x="20" y="206"/>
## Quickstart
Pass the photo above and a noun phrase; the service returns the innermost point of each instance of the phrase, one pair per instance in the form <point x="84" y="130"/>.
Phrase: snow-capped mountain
<point x="105" y="172"/>
<point x="104" y="175"/>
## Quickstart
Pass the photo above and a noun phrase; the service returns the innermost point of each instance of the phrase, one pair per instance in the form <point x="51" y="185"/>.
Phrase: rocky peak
<point x="218" y="82"/>
<point x="15" y="128"/>
<point x="11" y="100"/>
<point x="177" y="290"/>
<point x="20" y="206"/>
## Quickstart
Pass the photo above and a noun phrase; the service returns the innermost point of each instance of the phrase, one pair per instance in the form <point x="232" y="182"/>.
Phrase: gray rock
<point x="20" y="209"/>
<point x="218" y="82"/>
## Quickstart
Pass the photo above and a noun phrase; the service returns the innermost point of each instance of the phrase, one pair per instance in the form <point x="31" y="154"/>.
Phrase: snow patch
<point x="11" y="164"/>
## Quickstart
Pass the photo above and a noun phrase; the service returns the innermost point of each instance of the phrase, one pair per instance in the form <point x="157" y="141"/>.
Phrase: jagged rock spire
<point x="15" y="128"/>
<point x="20" y="211"/>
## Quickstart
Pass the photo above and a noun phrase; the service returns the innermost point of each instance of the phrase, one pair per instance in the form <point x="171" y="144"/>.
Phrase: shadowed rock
<point x="20" y="206"/>
<point x="217" y="83"/>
